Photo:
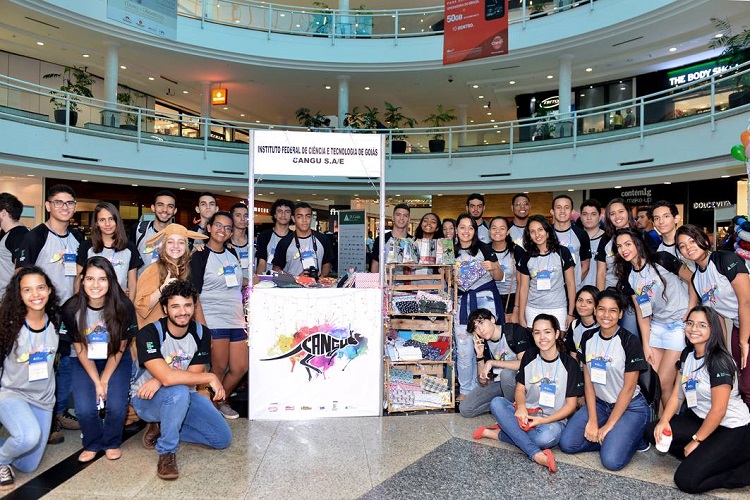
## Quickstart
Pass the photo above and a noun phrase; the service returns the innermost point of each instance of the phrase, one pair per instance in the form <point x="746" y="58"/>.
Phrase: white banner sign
<point x="315" y="353"/>
<point x="278" y="152"/>
<point x="156" y="17"/>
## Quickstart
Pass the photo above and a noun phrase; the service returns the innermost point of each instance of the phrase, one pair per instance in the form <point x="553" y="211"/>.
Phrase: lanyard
<point x="598" y="337"/>
<point x="314" y="245"/>
<point x="216" y="254"/>
<point x="553" y="380"/>
<point x="44" y="339"/>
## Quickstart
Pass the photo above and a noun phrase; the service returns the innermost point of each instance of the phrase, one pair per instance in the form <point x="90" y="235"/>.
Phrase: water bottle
<point x="666" y="441"/>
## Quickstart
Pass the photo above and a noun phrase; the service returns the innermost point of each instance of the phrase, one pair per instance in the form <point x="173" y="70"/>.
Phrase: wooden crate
<point x="443" y="369"/>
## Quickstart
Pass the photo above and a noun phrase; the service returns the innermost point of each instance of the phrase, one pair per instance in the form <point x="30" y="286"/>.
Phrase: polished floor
<point x="413" y="456"/>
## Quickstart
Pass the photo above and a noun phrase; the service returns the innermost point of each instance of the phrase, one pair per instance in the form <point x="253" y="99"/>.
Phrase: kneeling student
<point x="173" y="353"/>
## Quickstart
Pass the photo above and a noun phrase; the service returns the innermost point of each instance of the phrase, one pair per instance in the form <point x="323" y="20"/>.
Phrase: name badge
<point x="544" y="280"/>
<point x="547" y="395"/>
<point x="97" y="346"/>
<point x="308" y="259"/>
<point x="245" y="259"/>
<point x="230" y="278"/>
<point x="505" y="272"/>
<point x="69" y="260"/>
<point x="598" y="370"/>
<point x="691" y="394"/>
<point x="706" y="297"/>
<point x="644" y="303"/>
<point x="38" y="366"/>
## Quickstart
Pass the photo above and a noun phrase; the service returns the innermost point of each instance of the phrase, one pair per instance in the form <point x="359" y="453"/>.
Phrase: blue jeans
<point x="541" y="437"/>
<point x="184" y="416"/>
<point x="28" y="426"/>
<point x="98" y="435"/>
<point x="466" y="357"/>
<point x="621" y="442"/>
<point x="63" y="379"/>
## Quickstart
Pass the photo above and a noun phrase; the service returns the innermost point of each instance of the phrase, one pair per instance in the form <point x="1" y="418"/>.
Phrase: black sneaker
<point x="68" y="421"/>
<point x="7" y="479"/>
<point x="55" y="434"/>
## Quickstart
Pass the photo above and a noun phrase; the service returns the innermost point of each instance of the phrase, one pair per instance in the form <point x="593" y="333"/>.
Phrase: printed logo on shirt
<point x="178" y="360"/>
<point x="708" y="294"/>
<point x="646" y="288"/>
<point x="24" y="358"/>
<point x="99" y="327"/>
<point x="57" y="257"/>
<point x="22" y="256"/>
<point x="544" y="378"/>
<point x="150" y="349"/>
<point x="589" y="357"/>
<point x="502" y="355"/>
<point x="151" y="247"/>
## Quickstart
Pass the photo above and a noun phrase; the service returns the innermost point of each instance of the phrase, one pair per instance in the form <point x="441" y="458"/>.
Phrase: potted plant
<point x="131" y="119"/>
<point x="77" y="81"/>
<point x="309" y="120"/>
<point x="370" y="119"/>
<point x="396" y="120"/>
<point x="545" y="127"/>
<point x="439" y="119"/>
<point x="736" y="51"/>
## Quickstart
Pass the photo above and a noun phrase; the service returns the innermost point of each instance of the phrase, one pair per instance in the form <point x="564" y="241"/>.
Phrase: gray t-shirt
<point x="563" y="373"/>
<point x="483" y="232"/>
<point x="714" y="284"/>
<point x="148" y="253"/>
<point x="590" y="278"/>
<point x="606" y="254"/>
<point x="55" y="254"/>
<point x="122" y="260"/>
<point x="10" y="246"/>
<point x="737" y="414"/>
<point x="221" y="303"/>
<point x="516" y="234"/>
<point x="552" y="266"/>
<point x="577" y="241"/>
<point x="507" y="260"/>
<point x="268" y="240"/>
<point x="668" y="303"/>
<point x="622" y="353"/>
<point x="295" y="254"/>
<point x="15" y="380"/>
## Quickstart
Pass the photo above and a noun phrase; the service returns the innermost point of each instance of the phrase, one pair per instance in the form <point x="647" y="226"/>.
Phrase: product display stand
<point x="419" y="384"/>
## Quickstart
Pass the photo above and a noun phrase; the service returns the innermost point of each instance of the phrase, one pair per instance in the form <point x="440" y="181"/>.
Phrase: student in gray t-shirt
<point x="27" y="384"/>
<point x="303" y="250"/>
<point x="13" y="233"/>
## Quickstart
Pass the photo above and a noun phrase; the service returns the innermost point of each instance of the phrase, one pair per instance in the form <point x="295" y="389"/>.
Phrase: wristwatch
<point x="695" y="438"/>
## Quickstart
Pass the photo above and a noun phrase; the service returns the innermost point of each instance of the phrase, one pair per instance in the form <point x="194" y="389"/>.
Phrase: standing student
<point x="571" y="236"/>
<point x="216" y="274"/>
<point x="666" y="219"/>
<point x="13" y="233"/>
<point x="548" y="385"/>
<point x="53" y="246"/>
<point x="449" y="228"/>
<point x="109" y="240"/>
<point x="616" y="413"/>
<point x="476" y="289"/>
<point x="546" y="279"/>
<point x="206" y="208"/>
<point x="508" y="254"/>
<point x="498" y="349"/>
<point x="475" y="208"/>
<point x="590" y="214"/>
<point x="281" y="215"/>
<point x="521" y="207"/>
<point x="240" y="241"/>
<point x="658" y="287"/>
<point x="100" y="321"/>
<point x="28" y="343"/>
<point x="304" y="251"/>
<point x="645" y="224"/>
<point x="712" y="437"/>
<point x="401" y="214"/>
<point x="584" y="321"/>
<point x="721" y="282"/>
<point x="425" y="236"/>
<point x="164" y="209"/>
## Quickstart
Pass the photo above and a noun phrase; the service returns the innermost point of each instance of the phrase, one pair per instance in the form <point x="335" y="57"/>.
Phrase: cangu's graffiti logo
<point x="321" y="345"/>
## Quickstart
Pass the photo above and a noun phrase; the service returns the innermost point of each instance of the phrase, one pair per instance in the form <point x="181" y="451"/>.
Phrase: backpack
<point x="648" y="381"/>
<point x="141" y="231"/>
<point x="162" y="337"/>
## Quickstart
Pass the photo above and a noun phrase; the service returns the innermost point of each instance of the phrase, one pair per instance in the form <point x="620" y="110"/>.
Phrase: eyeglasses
<point x="219" y="226"/>
<point x="60" y="203"/>
<point x="699" y="324"/>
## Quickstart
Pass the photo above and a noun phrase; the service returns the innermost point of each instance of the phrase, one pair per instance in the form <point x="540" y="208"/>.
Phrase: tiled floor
<point x="414" y="456"/>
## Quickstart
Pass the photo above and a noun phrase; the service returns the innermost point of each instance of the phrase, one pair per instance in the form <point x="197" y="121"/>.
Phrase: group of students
<point x="553" y="338"/>
<point x="119" y="321"/>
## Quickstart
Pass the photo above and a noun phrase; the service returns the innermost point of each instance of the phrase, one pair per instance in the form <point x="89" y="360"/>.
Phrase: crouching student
<point x="548" y="385"/>
<point x="499" y="349"/>
<point x="616" y="413"/>
<point x="28" y="343"/>
<point x="173" y="353"/>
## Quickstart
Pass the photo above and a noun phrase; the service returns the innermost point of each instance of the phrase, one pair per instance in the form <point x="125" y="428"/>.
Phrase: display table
<point x="315" y="353"/>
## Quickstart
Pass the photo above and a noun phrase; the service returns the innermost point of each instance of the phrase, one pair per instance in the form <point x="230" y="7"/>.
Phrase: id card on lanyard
<point x="69" y="261"/>
<point x="97" y="346"/>
<point x="689" y="387"/>
<point x="547" y="395"/>
<point x="309" y="258"/>
<point x="544" y="280"/>
<point x="644" y="303"/>
<point x="230" y="277"/>
<point x="38" y="366"/>
<point x="245" y="259"/>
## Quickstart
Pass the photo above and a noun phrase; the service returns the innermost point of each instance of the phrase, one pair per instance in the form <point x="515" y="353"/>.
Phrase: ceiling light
<point x="40" y="43"/>
<point x="589" y="70"/>
<point x="481" y="97"/>
<point x="471" y="121"/>
<point x="182" y="189"/>
<point x="367" y="88"/>
<point x="618" y="187"/>
<point x="270" y="192"/>
<point x="242" y="114"/>
<point x="84" y="180"/>
<point x="134" y="185"/>
<point x="29" y="175"/>
<point x="719" y="35"/>
<point x="485" y="106"/>
<point x="282" y="15"/>
<point x="583" y="95"/>
<point x="492" y="121"/>
<point x="298" y="199"/>
<point x="667" y="182"/>
<point x="227" y="190"/>
<point x="512" y="82"/>
<point x="355" y="194"/>
<point x="440" y="194"/>
<point x="151" y="78"/>
<point x="623" y="88"/>
<point x="328" y="87"/>
<point x="673" y="49"/>
<point x="123" y="67"/>
<point x="550" y="77"/>
<point x="403" y="29"/>
<point x="85" y="55"/>
<point x="256" y="121"/>
<point x="225" y="108"/>
<point x="525" y="192"/>
<point x="398" y="196"/>
<point x="489" y="113"/>
<point x="724" y="176"/>
<point x="184" y="91"/>
<point x="570" y="190"/>
<point x="475" y="86"/>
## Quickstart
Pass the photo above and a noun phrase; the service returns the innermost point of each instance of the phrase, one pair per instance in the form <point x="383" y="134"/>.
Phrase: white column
<point x="343" y="98"/>
<point x="344" y="22"/>
<point x="564" y="87"/>
<point x="206" y="109"/>
<point x="462" y="121"/>
<point x="111" y="68"/>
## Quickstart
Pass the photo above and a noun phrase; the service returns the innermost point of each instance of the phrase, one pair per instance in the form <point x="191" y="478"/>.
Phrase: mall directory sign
<point x="474" y="29"/>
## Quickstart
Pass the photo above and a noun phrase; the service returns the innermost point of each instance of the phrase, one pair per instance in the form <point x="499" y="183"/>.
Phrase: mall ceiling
<point x="271" y="95"/>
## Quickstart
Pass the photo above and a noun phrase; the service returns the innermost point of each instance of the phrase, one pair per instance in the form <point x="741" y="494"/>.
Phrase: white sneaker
<point x="226" y="410"/>
<point x="7" y="478"/>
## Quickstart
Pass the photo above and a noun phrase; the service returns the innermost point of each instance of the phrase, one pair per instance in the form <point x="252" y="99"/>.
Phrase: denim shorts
<point x="233" y="334"/>
<point x="669" y="336"/>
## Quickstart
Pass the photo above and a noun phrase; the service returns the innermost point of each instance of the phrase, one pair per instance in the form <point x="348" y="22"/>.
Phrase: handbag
<point x="469" y="272"/>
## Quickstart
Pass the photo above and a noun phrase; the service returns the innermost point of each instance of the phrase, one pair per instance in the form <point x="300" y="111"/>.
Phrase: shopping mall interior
<point x="544" y="119"/>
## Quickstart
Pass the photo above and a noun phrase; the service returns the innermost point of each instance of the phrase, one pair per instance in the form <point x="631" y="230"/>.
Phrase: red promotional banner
<point x="474" y="29"/>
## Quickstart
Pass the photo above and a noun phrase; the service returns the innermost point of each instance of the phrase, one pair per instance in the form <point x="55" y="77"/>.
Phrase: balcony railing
<point x="642" y="116"/>
<point x="352" y="23"/>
